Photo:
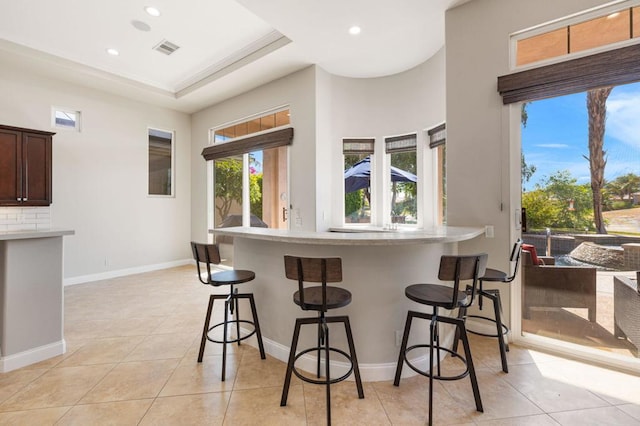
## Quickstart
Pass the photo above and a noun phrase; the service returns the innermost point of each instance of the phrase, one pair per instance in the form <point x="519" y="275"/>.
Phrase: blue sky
<point x="556" y="136"/>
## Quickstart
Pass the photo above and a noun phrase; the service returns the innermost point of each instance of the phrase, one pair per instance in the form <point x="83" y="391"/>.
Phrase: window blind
<point x="403" y="143"/>
<point x="358" y="146"/>
<point x="252" y="143"/>
<point x="613" y="67"/>
<point x="437" y="136"/>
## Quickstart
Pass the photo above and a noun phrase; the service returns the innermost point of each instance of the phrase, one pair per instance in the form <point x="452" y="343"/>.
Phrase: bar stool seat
<point x="320" y="299"/>
<point x="452" y="269"/>
<point x="336" y="298"/>
<point x="209" y="254"/>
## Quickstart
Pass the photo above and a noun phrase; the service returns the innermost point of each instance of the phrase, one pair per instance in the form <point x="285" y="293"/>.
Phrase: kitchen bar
<point x="377" y="266"/>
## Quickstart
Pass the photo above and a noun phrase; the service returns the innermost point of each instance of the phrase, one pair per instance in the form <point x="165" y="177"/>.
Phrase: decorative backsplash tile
<point x="24" y="218"/>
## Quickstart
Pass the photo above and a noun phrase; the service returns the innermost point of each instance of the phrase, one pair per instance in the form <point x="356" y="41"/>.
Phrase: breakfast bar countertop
<point x="33" y="233"/>
<point x="356" y="236"/>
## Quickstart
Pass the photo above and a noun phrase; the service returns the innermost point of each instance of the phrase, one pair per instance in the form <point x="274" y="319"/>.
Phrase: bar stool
<point x="494" y="275"/>
<point x="210" y="255"/>
<point x="320" y="299"/>
<point x="455" y="269"/>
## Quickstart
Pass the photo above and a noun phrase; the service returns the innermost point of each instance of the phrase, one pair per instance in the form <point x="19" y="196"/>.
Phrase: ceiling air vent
<point x="166" y="47"/>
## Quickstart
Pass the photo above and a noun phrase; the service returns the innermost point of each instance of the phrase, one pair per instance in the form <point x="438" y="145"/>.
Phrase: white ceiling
<point x="226" y="46"/>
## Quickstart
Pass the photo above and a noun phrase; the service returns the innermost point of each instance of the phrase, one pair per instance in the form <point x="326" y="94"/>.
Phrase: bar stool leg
<point x="354" y="359"/>
<point x="224" y="337"/>
<point x="432" y="332"/>
<point x="237" y="315"/>
<point x="462" y="313"/>
<point x="472" y="370"/>
<point x="207" y="320"/>
<point x="256" y="324"/>
<point x="319" y="346"/>
<point x="403" y="348"/>
<point x="292" y="358"/>
<point x="325" y="330"/>
<point x="499" y="331"/>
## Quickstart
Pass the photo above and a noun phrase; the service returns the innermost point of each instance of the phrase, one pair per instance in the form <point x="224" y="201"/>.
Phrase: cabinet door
<point x="10" y="167"/>
<point x="36" y="173"/>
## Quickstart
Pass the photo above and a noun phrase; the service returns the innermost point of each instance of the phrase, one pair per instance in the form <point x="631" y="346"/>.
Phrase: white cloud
<point x="623" y="110"/>
<point x="552" y="145"/>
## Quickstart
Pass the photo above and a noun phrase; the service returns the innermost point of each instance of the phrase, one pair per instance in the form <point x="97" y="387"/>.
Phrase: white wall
<point x="483" y="136"/>
<point x="296" y="90"/>
<point x="412" y="101"/>
<point x="100" y="175"/>
<point x="324" y="109"/>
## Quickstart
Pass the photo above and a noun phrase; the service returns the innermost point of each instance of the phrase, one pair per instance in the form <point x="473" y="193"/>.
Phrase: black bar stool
<point x="495" y="275"/>
<point x="209" y="254"/>
<point x="455" y="269"/>
<point x="320" y="299"/>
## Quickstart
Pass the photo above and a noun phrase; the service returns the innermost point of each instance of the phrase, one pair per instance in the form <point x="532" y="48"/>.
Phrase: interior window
<point x="402" y="178"/>
<point x="358" y="166"/>
<point x="161" y="148"/>
<point x="437" y="138"/>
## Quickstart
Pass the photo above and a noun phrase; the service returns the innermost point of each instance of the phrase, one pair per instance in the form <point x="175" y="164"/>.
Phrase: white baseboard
<point x="41" y="353"/>
<point x="368" y="372"/>
<point x="124" y="272"/>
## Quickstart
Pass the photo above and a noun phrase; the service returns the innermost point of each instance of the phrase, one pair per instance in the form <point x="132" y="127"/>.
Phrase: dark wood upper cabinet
<point x="25" y="167"/>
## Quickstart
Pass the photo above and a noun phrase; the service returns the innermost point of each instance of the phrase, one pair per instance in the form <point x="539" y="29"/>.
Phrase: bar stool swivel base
<point x="323" y="347"/>
<point x="501" y="329"/>
<point x="231" y="307"/>
<point x="434" y="355"/>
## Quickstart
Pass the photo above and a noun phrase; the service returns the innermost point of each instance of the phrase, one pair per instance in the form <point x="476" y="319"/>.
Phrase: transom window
<point x="255" y="125"/>
<point x="592" y="31"/>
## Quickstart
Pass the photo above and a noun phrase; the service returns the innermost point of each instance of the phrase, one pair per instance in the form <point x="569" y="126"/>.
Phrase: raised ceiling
<point x="225" y="46"/>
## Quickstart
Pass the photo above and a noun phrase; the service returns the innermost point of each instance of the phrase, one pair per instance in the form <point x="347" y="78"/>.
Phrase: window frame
<point x="172" y="180"/>
<point x="577" y="18"/>
<point x="386" y="211"/>
<point x="275" y="137"/>
<point x="361" y="150"/>
<point x="77" y="127"/>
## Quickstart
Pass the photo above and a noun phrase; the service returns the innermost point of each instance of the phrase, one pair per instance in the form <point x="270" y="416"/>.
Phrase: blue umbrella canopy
<point x="358" y="176"/>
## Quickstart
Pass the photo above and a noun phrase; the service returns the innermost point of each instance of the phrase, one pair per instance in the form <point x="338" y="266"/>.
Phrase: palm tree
<point x="597" y="110"/>
<point x="629" y="184"/>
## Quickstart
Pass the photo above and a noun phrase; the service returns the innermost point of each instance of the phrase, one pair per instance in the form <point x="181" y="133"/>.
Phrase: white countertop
<point x="354" y="236"/>
<point x="40" y="233"/>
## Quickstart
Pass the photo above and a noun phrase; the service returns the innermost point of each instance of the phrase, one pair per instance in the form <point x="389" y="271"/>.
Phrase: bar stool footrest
<point x="232" y="340"/>
<point x="479" y="333"/>
<point x="437" y="377"/>
<point x="318" y="381"/>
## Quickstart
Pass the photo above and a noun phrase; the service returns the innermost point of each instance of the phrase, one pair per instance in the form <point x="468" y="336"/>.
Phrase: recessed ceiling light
<point x="153" y="11"/>
<point x="140" y="25"/>
<point x="113" y="52"/>
<point x="613" y="15"/>
<point x="355" y="30"/>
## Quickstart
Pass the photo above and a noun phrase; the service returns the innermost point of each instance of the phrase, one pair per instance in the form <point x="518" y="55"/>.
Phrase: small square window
<point x="63" y="118"/>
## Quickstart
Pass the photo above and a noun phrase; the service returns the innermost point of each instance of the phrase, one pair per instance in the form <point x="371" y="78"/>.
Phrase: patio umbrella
<point x="358" y="176"/>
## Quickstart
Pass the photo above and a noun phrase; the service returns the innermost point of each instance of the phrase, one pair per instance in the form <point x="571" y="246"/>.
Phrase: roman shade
<point x="437" y="136"/>
<point x="613" y="67"/>
<point x="404" y="143"/>
<point x="358" y="146"/>
<point x="251" y="143"/>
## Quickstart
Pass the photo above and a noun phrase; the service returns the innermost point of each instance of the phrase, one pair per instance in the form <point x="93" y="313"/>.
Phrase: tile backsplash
<point x="24" y="218"/>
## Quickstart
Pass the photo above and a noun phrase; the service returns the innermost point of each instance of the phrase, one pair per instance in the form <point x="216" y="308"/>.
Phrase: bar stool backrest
<point x="462" y="268"/>
<point x="314" y="270"/>
<point x="514" y="259"/>
<point x="208" y="254"/>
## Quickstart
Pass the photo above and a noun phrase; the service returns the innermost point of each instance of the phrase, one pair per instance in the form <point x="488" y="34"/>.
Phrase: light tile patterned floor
<point x="131" y="359"/>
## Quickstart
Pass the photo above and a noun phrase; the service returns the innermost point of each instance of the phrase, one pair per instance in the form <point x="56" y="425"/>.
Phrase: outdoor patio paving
<point x="571" y="325"/>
